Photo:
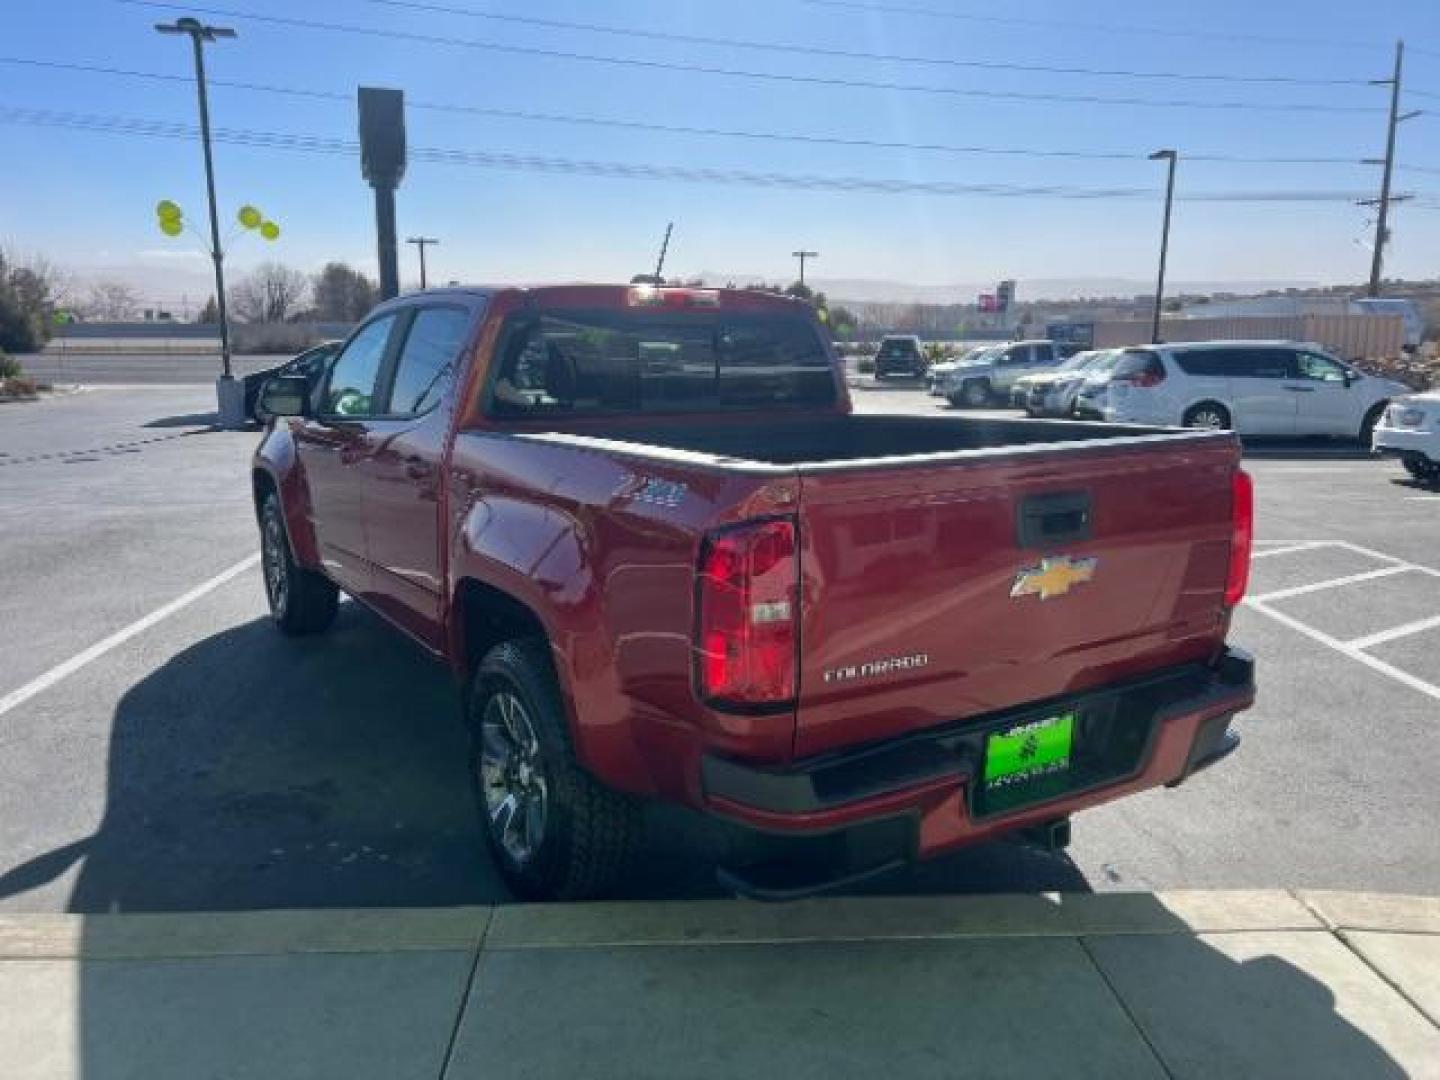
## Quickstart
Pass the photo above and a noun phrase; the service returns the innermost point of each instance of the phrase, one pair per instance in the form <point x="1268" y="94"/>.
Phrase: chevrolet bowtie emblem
<point x="1053" y="577"/>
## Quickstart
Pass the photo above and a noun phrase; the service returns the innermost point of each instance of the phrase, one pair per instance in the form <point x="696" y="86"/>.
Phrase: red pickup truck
<point x="645" y="529"/>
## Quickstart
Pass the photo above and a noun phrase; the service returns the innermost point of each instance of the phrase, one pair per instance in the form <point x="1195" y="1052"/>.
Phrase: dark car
<point x="900" y="355"/>
<point x="309" y="364"/>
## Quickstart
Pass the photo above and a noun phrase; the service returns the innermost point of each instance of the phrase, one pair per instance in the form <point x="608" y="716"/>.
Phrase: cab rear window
<point x="584" y="362"/>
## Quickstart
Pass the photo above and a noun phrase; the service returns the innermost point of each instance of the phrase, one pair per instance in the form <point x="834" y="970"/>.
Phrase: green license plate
<point x="1028" y="751"/>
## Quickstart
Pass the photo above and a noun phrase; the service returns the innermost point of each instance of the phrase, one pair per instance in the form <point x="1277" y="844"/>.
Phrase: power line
<point x="1103" y="28"/>
<point x="685" y="129"/>
<point x="847" y="54"/>
<point x="630" y="170"/>
<point x="743" y="73"/>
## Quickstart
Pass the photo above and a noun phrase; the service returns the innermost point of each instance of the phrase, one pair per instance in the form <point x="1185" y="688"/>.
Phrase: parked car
<point x="989" y="376"/>
<point x="1252" y="387"/>
<point x="308" y="364"/>
<point x="1410" y="430"/>
<point x="713" y="584"/>
<point x="1053" y="393"/>
<point x="900" y="354"/>
<point x="935" y="374"/>
<point x="1091" y="393"/>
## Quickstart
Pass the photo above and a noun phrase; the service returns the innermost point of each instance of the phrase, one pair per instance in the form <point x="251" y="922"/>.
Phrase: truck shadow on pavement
<point x="253" y="771"/>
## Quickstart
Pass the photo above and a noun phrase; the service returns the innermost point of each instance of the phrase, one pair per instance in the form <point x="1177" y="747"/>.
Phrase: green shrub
<point x="9" y="366"/>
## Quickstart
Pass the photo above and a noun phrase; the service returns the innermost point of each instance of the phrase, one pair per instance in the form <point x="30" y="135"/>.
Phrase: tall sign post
<point x="382" y="163"/>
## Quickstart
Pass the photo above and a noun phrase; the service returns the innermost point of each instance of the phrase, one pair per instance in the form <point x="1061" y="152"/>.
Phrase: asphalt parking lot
<point x="162" y="748"/>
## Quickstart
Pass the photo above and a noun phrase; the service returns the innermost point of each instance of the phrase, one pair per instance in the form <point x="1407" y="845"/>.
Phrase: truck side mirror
<point x="285" y="395"/>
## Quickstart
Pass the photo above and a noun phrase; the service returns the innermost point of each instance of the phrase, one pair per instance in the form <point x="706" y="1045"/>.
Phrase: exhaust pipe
<point x="1048" y="835"/>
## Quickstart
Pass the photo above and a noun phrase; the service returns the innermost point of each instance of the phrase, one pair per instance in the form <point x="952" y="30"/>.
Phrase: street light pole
<point x="421" y="242"/>
<point x="1170" y="156"/>
<point x="231" y="403"/>
<point x="802" y="256"/>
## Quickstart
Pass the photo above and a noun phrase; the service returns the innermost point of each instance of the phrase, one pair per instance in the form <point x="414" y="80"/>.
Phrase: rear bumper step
<point x="838" y="784"/>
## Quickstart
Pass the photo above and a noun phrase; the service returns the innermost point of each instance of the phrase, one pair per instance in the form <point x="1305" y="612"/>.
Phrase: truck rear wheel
<point x="301" y="601"/>
<point x="555" y="832"/>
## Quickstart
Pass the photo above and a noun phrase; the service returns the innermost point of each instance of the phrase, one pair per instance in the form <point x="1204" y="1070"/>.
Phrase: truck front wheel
<point x="301" y="601"/>
<point x="555" y="832"/>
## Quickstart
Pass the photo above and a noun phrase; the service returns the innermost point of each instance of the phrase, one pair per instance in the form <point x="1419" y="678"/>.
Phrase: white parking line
<point x="1355" y="647"/>
<point x="1332" y="583"/>
<point x="1382" y="636"/>
<point x="60" y="671"/>
<point x="1287" y="550"/>
<point x="1429" y="689"/>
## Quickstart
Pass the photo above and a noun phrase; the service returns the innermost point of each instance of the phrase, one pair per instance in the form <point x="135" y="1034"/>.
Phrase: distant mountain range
<point x="167" y="281"/>
<point x="879" y="290"/>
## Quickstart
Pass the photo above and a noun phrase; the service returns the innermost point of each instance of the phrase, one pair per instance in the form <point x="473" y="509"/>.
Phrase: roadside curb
<point x="241" y="933"/>
<point x="706" y="923"/>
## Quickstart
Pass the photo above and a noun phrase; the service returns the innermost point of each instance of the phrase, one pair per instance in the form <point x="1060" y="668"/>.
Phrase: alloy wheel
<point x="277" y="572"/>
<point x="1207" y="418"/>
<point x="512" y="777"/>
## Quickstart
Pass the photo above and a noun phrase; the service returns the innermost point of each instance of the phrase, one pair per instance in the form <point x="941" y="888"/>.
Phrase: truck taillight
<point x="746" y="631"/>
<point x="1242" y="536"/>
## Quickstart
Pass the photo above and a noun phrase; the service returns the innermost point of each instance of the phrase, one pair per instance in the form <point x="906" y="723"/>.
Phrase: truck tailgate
<point x="909" y="574"/>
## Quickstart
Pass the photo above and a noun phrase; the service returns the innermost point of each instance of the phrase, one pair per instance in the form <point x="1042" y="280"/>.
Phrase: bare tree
<point x="110" y="301"/>
<point x="271" y="293"/>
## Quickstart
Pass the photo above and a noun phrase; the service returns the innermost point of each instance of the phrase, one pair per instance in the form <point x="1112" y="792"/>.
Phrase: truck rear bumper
<point x="1145" y="734"/>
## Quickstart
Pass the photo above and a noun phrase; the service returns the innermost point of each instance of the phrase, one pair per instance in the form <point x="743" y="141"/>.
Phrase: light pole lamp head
<point x="1164" y="155"/>
<point x="196" y="29"/>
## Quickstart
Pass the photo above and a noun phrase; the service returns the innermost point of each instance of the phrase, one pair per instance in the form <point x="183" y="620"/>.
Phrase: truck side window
<point x="350" y="391"/>
<point x="427" y="359"/>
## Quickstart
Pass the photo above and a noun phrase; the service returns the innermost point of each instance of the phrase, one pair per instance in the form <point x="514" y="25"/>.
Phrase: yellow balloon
<point x="269" y="230"/>
<point x="250" y="217"/>
<point x="166" y="209"/>
<point x="171" y="226"/>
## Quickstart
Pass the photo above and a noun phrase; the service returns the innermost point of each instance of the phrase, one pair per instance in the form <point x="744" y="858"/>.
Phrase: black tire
<point x="1422" y="468"/>
<point x="1210" y="415"/>
<point x="975" y="394"/>
<point x="301" y="601"/>
<point x="1367" y="426"/>
<point x="588" y="834"/>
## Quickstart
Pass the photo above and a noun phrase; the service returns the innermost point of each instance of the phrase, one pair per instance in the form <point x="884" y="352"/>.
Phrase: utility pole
<point x="664" y="247"/>
<point x="1382" y="231"/>
<point x="1171" y="156"/>
<point x="802" y="256"/>
<point x="231" y="401"/>
<point x="421" y="242"/>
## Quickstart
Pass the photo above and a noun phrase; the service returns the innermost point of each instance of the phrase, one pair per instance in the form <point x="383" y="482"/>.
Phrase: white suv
<point x="1411" y="432"/>
<point x="1254" y="387"/>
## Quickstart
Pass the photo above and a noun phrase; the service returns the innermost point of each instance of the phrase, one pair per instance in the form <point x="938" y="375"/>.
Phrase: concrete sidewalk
<point x="1186" y="984"/>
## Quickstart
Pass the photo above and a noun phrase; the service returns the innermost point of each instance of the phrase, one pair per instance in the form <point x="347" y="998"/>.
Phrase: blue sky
<point x="85" y="199"/>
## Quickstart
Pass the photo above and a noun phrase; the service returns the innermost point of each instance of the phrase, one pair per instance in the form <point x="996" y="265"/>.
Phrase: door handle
<point x="1301" y="389"/>
<point x="417" y="468"/>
